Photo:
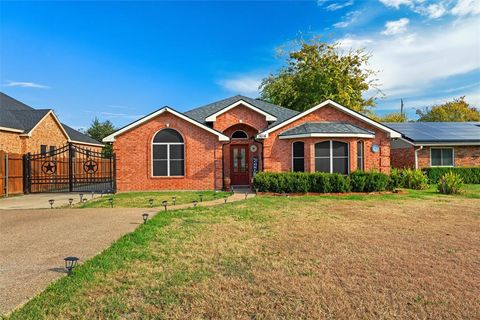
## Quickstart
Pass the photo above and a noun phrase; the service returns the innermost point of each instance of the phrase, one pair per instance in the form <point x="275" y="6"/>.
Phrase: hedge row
<point x="468" y="174"/>
<point x="301" y="182"/>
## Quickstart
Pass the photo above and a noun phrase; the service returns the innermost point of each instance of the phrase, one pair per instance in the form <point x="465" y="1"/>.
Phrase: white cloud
<point x="466" y="7"/>
<point x="396" y="3"/>
<point x="121" y="115"/>
<point x="348" y="19"/>
<point x="338" y="5"/>
<point x="243" y="84"/>
<point x="435" y="11"/>
<point x="396" y="27"/>
<point x="22" y="84"/>
<point x="411" y="64"/>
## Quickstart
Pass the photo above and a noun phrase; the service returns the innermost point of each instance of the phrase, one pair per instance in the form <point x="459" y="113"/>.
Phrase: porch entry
<point x="239" y="173"/>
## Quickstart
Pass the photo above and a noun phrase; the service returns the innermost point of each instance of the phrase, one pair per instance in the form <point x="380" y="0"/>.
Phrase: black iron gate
<point x="70" y="168"/>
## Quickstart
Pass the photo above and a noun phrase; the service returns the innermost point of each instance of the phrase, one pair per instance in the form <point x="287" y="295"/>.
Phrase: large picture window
<point x="168" y="154"/>
<point x="298" y="157"/>
<point x="441" y="156"/>
<point x="331" y="156"/>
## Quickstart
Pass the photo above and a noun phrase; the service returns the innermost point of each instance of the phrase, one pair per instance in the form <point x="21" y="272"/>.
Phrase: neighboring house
<point x="24" y="129"/>
<point x="224" y="143"/>
<point x="430" y="144"/>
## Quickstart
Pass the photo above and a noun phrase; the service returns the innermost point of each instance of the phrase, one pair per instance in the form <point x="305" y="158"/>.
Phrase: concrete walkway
<point x="40" y="200"/>
<point x="33" y="242"/>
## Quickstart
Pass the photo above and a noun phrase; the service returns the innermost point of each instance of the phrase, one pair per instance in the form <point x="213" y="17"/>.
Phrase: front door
<point x="239" y="165"/>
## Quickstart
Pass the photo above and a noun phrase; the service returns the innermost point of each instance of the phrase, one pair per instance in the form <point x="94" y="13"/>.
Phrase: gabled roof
<point x="425" y="133"/>
<point x="326" y="129"/>
<point x="18" y="117"/>
<point x="111" y="138"/>
<point x="279" y="113"/>
<point x="393" y="134"/>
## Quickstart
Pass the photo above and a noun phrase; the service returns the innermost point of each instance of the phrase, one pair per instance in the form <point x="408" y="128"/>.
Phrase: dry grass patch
<point x="309" y="257"/>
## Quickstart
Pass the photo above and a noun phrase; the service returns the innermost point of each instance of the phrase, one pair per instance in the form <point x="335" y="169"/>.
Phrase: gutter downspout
<point x="416" y="156"/>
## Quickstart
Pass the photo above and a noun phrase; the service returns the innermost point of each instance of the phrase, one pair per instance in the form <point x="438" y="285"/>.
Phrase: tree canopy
<point x="316" y="71"/>
<point x="391" y="117"/>
<point x="457" y="110"/>
<point x="99" y="130"/>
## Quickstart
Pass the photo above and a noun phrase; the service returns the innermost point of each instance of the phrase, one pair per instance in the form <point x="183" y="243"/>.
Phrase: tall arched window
<point x="331" y="156"/>
<point x="168" y="155"/>
<point x="360" y="156"/>
<point x="298" y="156"/>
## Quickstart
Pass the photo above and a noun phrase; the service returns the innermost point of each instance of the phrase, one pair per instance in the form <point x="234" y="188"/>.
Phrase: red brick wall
<point x="278" y="153"/>
<point x="203" y="156"/>
<point x="403" y="157"/>
<point x="240" y="114"/>
<point x="465" y="156"/>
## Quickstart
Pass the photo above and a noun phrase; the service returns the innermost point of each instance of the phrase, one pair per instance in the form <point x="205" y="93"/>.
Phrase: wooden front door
<point x="239" y="165"/>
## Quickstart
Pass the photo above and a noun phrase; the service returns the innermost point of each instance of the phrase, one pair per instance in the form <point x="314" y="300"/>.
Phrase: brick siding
<point x="278" y="152"/>
<point x="203" y="156"/>
<point x="464" y="156"/>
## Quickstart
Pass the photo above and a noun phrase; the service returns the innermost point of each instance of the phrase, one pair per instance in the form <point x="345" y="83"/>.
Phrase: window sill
<point x="167" y="177"/>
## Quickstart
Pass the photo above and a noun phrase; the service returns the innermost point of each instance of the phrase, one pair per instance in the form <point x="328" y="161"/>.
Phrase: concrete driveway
<point x="40" y="200"/>
<point x="33" y="244"/>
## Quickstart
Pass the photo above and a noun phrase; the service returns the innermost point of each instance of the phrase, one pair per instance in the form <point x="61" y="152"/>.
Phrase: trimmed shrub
<point x="302" y="182"/>
<point x="358" y="181"/>
<point x="468" y="174"/>
<point x="339" y="183"/>
<point x="450" y="183"/>
<point x="376" y="181"/>
<point x="320" y="182"/>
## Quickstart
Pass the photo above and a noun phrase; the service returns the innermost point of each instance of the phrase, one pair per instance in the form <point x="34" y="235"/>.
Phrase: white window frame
<point x="331" y="157"/>
<point x="168" y="156"/>
<point x="293" y="157"/>
<point x="441" y="157"/>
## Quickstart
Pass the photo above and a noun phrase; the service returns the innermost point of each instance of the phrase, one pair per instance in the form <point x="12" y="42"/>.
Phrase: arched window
<point x="298" y="156"/>
<point x="331" y="156"/>
<point x="239" y="134"/>
<point x="168" y="154"/>
<point x="360" y="156"/>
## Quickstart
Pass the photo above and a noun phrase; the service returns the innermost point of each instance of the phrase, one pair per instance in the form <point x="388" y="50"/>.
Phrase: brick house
<point x="24" y="129"/>
<point x="224" y="143"/>
<point x="427" y="144"/>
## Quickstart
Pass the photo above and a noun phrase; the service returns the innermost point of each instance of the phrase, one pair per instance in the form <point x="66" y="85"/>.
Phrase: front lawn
<point x="414" y="256"/>
<point x="141" y="199"/>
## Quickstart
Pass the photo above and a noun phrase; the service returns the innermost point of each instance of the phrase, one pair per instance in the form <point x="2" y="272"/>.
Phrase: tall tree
<point x="457" y="110"/>
<point x="99" y="130"/>
<point x="316" y="71"/>
<point x="391" y="117"/>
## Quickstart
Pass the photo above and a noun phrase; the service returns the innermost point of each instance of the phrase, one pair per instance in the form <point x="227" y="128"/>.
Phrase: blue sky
<point x="121" y="60"/>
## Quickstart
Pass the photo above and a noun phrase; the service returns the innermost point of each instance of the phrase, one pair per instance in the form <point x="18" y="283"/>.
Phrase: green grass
<point x="149" y="272"/>
<point x="141" y="199"/>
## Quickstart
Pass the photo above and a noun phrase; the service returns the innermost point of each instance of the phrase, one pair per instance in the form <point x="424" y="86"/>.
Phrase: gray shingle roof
<point x="325" y="127"/>
<point x="438" y="132"/>
<point x="17" y="115"/>
<point x="281" y="113"/>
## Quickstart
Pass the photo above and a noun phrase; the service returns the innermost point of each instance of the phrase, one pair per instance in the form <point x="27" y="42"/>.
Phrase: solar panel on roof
<point x="438" y="131"/>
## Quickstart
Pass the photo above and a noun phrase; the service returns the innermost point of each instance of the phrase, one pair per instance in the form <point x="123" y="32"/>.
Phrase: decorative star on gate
<point x="90" y="166"/>
<point x="49" y="167"/>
